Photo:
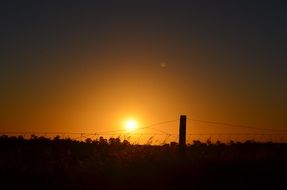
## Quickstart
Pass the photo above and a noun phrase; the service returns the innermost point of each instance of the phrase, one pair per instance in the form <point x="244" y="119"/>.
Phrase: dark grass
<point x="41" y="163"/>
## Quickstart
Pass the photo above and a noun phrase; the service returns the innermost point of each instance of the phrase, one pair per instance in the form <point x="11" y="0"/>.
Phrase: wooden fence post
<point x="182" y="133"/>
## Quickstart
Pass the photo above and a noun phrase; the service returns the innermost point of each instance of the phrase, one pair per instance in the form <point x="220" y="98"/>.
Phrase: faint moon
<point x="163" y="64"/>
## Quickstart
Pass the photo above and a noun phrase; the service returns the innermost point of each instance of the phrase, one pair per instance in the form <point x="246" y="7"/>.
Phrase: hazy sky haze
<point x="84" y="66"/>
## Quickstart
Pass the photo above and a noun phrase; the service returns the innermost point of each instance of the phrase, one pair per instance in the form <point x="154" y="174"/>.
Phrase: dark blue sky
<point x="226" y="60"/>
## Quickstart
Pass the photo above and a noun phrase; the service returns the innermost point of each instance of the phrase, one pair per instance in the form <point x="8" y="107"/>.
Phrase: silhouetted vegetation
<point x="42" y="163"/>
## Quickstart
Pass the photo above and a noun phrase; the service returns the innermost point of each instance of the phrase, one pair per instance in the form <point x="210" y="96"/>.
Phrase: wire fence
<point x="161" y="136"/>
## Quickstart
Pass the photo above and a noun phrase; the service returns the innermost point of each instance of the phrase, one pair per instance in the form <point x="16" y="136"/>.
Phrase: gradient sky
<point x="84" y="66"/>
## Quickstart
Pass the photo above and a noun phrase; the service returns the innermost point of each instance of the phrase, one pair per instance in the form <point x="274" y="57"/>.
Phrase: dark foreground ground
<point x="41" y="163"/>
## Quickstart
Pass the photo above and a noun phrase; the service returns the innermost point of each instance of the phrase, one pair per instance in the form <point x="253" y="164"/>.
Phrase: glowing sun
<point x="131" y="125"/>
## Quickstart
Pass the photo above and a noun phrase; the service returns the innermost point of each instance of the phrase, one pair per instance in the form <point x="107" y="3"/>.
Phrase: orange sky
<point x="98" y="99"/>
<point x="71" y="68"/>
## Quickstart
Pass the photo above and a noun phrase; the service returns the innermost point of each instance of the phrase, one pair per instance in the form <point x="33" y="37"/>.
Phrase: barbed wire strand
<point x="236" y="125"/>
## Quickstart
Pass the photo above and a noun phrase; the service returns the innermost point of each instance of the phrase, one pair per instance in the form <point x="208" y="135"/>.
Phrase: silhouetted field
<point x="41" y="163"/>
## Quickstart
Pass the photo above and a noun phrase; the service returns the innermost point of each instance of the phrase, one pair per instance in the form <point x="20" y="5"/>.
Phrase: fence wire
<point x="161" y="136"/>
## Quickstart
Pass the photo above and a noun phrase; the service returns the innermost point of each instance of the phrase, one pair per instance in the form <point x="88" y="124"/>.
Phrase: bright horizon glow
<point x="130" y="125"/>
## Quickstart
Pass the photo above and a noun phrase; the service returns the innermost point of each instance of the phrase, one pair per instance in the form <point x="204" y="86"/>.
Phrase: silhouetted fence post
<point x="182" y="133"/>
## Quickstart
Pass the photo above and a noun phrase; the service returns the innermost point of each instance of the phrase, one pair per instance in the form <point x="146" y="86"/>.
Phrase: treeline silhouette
<point x="43" y="163"/>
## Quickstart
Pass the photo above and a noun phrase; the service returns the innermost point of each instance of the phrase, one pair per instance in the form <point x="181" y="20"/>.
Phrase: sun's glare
<point x="131" y="125"/>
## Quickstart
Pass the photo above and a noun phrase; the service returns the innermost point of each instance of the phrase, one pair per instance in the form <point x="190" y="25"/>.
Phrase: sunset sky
<point x="86" y="66"/>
